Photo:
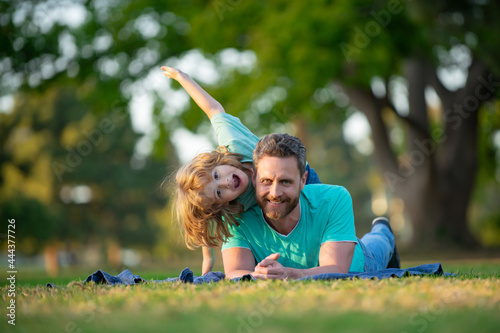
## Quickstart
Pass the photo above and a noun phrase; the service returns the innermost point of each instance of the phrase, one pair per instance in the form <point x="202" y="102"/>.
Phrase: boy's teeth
<point x="236" y="181"/>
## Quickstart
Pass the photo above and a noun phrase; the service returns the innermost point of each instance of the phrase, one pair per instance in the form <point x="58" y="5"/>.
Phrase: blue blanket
<point x="427" y="269"/>
<point x="186" y="276"/>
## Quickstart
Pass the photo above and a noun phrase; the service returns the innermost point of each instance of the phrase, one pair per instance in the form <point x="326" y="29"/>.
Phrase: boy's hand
<point x="172" y="73"/>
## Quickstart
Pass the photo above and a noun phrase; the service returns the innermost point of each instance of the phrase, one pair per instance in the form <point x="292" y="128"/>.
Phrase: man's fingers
<point x="273" y="256"/>
<point x="266" y="262"/>
<point x="259" y="276"/>
<point x="266" y="276"/>
<point x="270" y="259"/>
<point x="268" y="270"/>
<point x="262" y="269"/>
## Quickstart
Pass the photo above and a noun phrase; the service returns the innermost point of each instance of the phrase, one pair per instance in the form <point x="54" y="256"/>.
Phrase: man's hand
<point x="269" y="268"/>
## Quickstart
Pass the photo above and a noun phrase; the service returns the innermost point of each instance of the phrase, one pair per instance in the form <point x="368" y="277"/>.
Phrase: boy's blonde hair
<point x="205" y="222"/>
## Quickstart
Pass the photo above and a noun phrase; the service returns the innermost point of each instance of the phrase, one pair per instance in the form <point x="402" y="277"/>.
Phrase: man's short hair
<point x="281" y="145"/>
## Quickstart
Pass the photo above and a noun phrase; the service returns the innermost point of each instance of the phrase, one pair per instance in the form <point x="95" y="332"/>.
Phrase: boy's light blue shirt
<point x="326" y="216"/>
<point x="234" y="135"/>
<point x="238" y="139"/>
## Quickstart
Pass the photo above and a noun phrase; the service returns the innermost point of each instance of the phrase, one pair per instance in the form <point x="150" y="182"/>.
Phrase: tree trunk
<point x="435" y="176"/>
<point x="438" y="195"/>
<point x="438" y="216"/>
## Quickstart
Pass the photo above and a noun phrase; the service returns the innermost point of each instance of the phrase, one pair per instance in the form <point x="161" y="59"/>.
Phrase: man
<point x="298" y="231"/>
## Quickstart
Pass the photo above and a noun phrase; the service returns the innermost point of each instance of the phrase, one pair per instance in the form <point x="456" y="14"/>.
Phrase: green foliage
<point x="34" y="221"/>
<point x="304" y="47"/>
<point x="66" y="79"/>
<point x="305" y="42"/>
<point x="85" y="152"/>
<point x="70" y="129"/>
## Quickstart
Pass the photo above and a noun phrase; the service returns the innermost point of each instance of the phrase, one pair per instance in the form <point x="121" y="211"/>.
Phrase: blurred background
<point x="398" y="101"/>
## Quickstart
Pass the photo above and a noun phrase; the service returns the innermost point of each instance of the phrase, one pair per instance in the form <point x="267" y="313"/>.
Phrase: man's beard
<point x="277" y="213"/>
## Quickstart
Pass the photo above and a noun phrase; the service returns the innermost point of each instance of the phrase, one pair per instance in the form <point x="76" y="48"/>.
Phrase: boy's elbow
<point x="218" y="109"/>
<point x="215" y="110"/>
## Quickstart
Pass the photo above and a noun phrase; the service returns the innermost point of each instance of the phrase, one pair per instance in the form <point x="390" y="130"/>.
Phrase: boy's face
<point x="227" y="184"/>
<point x="278" y="185"/>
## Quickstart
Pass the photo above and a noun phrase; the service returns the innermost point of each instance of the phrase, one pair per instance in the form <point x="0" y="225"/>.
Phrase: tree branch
<point x="434" y="81"/>
<point x="408" y="120"/>
<point x="366" y="102"/>
<point x="415" y="73"/>
<point x="386" y="102"/>
<point x="462" y="117"/>
<point x="456" y="106"/>
<point x="477" y="69"/>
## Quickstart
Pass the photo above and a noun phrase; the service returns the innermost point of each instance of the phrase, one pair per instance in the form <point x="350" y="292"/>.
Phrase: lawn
<point x="468" y="302"/>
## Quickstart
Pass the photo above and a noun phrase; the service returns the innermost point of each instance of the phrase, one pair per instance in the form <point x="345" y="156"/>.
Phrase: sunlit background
<point x="92" y="130"/>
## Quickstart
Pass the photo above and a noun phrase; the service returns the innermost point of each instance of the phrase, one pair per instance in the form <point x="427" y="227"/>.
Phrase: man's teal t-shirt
<point x="326" y="216"/>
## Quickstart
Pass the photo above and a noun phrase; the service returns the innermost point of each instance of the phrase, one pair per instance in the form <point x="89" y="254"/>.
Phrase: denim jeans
<point x="377" y="246"/>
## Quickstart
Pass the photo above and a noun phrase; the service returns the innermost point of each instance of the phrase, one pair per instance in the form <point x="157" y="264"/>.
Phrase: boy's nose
<point x="225" y="183"/>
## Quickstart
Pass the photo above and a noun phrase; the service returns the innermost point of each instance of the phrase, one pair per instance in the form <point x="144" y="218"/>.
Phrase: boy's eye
<point x="219" y="193"/>
<point x="216" y="175"/>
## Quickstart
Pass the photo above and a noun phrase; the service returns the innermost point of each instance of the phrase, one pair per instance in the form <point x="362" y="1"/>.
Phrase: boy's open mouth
<point x="236" y="181"/>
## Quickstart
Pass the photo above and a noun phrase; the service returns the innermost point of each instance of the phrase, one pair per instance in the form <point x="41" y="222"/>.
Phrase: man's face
<point x="278" y="185"/>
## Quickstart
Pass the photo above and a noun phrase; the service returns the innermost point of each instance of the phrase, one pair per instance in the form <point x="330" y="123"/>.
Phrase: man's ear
<point x="252" y="170"/>
<point x="303" y="180"/>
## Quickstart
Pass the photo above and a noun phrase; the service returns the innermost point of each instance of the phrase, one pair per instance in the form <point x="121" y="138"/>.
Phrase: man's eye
<point x="219" y="193"/>
<point x="286" y="182"/>
<point x="266" y="181"/>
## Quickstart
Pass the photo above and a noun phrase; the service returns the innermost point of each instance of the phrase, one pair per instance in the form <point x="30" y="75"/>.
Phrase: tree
<point x="68" y="149"/>
<point x="378" y="52"/>
<point x="71" y="176"/>
<point x="382" y="58"/>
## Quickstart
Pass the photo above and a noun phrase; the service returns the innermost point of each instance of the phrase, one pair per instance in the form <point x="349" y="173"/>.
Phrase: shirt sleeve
<point x="234" y="135"/>
<point x="340" y="225"/>
<point x="238" y="238"/>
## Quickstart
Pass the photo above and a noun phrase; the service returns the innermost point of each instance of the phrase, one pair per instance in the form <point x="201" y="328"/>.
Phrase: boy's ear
<point x="252" y="170"/>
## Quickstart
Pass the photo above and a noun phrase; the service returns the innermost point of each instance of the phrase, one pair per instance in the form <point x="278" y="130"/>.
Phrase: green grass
<point x="469" y="302"/>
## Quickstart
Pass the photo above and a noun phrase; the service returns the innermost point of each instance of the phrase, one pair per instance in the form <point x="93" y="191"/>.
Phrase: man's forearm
<point x="296" y="273"/>
<point x="238" y="273"/>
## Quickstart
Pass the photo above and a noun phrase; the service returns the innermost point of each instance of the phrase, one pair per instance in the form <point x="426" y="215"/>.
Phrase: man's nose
<point x="275" y="190"/>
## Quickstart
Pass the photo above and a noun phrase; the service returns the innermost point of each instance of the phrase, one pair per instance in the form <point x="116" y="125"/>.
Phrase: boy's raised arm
<point x="206" y="102"/>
